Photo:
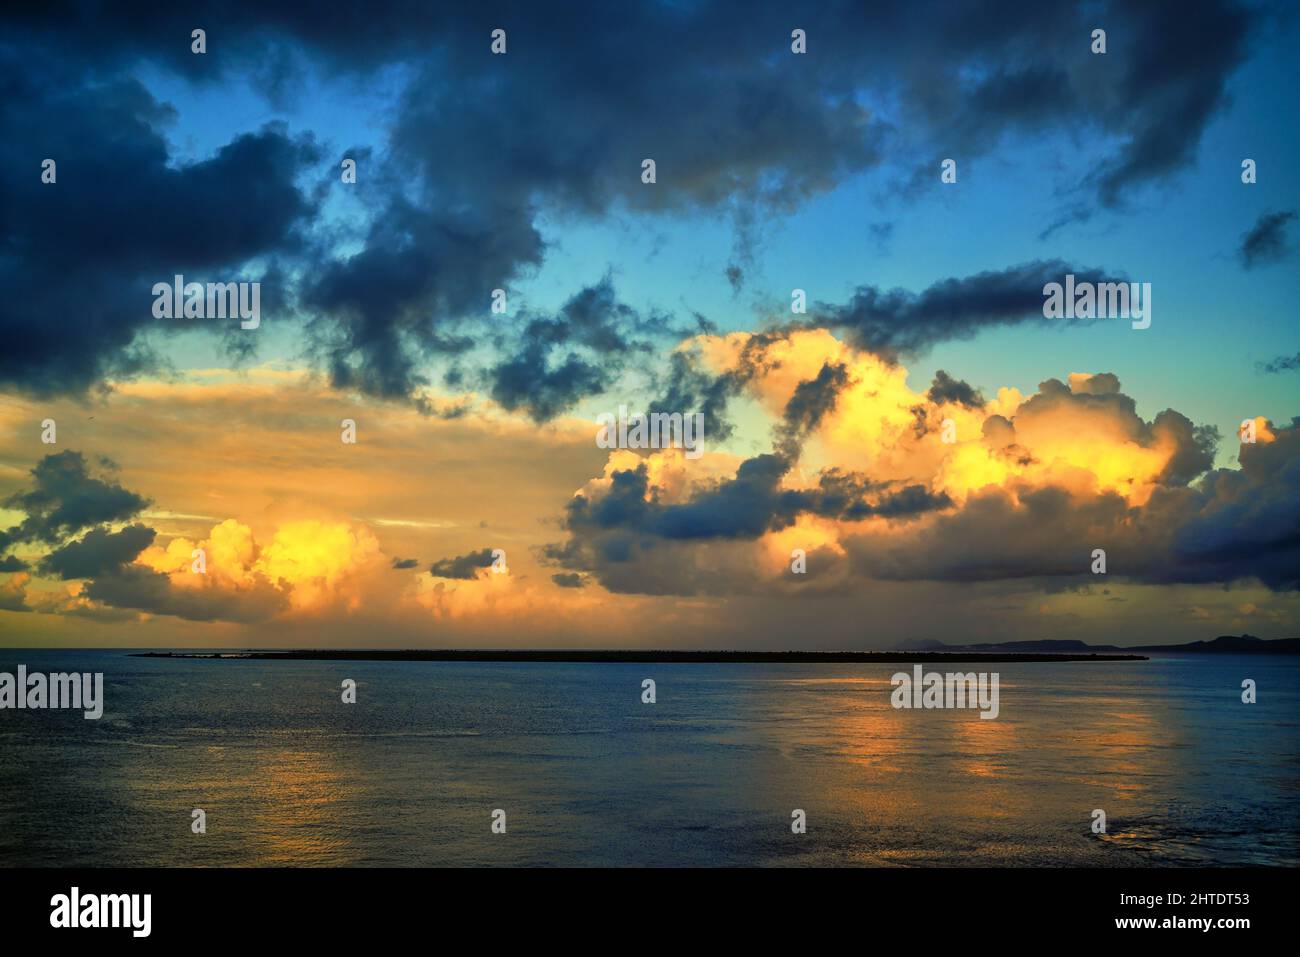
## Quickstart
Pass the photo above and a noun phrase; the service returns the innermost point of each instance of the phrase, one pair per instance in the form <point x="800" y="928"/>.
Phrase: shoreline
<point x="648" y="657"/>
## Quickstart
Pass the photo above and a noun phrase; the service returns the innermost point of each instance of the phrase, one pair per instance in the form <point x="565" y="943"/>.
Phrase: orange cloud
<point x="312" y="562"/>
<point x="882" y="427"/>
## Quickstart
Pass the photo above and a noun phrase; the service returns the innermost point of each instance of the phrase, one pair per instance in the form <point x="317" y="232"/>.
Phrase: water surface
<point x="709" y="775"/>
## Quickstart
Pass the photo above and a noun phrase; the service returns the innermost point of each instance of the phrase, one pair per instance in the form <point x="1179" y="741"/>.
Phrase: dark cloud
<point x="579" y="351"/>
<point x="627" y="524"/>
<point x="80" y="256"/>
<point x="688" y="387"/>
<point x="529" y="381"/>
<point x="385" y="311"/>
<point x="1100" y="383"/>
<point x="1238" y="523"/>
<point x="1231" y="525"/>
<point x="1170" y="63"/>
<point x="482" y="148"/>
<point x="404" y="563"/>
<point x="568" y="579"/>
<point x="462" y="566"/>
<point x="901" y="323"/>
<point x="514" y="137"/>
<point x="98" y="552"/>
<point x="1042" y="532"/>
<point x="1281" y="364"/>
<point x="1265" y="242"/>
<point x="143" y="589"/>
<point x="1194" y="445"/>
<point x="11" y="563"/>
<point x="946" y="388"/>
<point x="64" y="499"/>
<point x="812" y="400"/>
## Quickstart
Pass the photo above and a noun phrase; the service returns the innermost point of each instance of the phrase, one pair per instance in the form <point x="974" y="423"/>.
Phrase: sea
<point x="576" y="770"/>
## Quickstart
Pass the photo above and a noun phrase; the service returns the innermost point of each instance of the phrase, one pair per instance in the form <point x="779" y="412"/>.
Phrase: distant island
<point x="1223" y="645"/>
<point x="649" y="656"/>
<point x="915" y="651"/>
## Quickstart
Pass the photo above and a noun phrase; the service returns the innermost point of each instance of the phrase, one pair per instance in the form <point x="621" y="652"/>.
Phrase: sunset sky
<point x="775" y="172"/>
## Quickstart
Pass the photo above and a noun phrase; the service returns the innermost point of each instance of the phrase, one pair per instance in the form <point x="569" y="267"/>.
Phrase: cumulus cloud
<point x="13" y="592"/>
<point x="306" y="565"/>
<point x="1030" y="487"/>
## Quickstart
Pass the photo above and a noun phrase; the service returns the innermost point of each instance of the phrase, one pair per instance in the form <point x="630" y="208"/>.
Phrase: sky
<point x="898" y="443"/>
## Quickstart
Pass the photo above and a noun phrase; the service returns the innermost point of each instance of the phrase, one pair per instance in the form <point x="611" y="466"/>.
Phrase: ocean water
<point x="588" y="775"/>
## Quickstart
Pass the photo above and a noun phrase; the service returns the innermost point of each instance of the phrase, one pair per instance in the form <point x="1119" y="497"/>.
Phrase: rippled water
<point x="708" y="775"/>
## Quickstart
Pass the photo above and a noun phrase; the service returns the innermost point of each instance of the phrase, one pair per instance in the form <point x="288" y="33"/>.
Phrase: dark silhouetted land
<point x="1223" y="645"/>
<point x="912" y="652"/>
<point x="628" y="656"/>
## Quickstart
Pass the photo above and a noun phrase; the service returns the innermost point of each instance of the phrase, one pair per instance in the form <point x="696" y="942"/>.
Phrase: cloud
<point x="402" y="564"/>
<point x="383" y="311"/>
<point x="1229" y="526"/>
<point x="945" y="388"/>
<point x="1281" y="364"/>
<point x="901" y="323"/>
<point x="305" y="567"/>
<point x="128" y="215"/>
<point x="692" y="386"/>
<point x="812" y="400"/>
<point x="308" y="567"/>
<point x="64" y="499"/>
<point x="577" y="352"/>
<point x="1242" y="522"/>
<point x="462" y="566"/>
<point x="1169" y="81"/>
<point x="617" y="525"/>
<point x="1029" y="488"/>
<point x="13" y="593"/>
<point x="139" y="588"/>
<point x="1265" y="242"/>
<point x="480" y="150"/>
<point x="98" y="552"/>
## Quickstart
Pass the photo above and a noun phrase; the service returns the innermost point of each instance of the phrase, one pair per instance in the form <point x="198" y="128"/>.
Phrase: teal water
<point x="708" y="775"/>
